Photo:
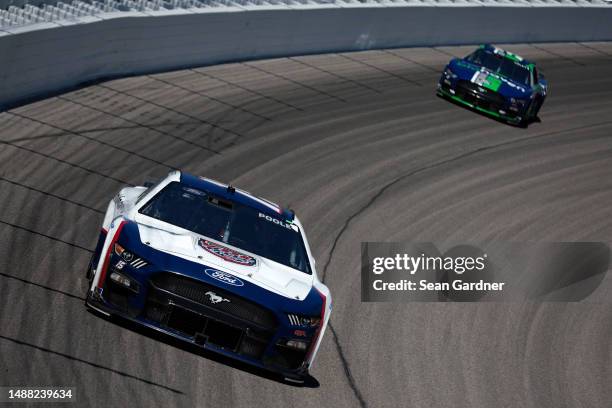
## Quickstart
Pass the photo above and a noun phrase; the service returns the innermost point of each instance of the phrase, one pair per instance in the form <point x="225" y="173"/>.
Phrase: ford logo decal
<point x="224" y="277"/>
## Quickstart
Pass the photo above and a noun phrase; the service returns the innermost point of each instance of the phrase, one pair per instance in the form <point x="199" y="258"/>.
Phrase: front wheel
<point x="534" y="108"/>
<point x="537" y="109"/>
<point x="90" y="270"/>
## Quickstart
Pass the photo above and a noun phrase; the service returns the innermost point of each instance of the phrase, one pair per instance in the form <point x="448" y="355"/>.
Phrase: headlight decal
<point x="303" y="321"/>
<point x="129" y="257"/>
<point x="124" y="281"/>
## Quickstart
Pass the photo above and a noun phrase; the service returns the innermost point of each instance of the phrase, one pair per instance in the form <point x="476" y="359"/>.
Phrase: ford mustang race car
<point x="495" y="82"/>
<point x="215" y="266"/>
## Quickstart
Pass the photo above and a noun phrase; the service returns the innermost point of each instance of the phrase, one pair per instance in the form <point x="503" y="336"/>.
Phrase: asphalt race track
<point x="359" y="145"/>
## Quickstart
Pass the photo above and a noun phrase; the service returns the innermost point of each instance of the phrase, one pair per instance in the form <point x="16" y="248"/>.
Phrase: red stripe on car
<point x="321" y="323"/>
<point x="109" y="251"/>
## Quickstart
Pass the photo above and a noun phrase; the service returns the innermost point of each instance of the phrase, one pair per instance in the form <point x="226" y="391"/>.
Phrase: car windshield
<point x="229" y="222"/>
<point x="501" y="65"/>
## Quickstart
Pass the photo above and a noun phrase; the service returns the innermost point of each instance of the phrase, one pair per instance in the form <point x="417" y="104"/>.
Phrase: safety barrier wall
<point x="40" y="60"/>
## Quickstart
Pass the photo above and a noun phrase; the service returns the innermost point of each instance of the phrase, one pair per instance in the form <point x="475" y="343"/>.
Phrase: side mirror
<point x="542" y="78"/>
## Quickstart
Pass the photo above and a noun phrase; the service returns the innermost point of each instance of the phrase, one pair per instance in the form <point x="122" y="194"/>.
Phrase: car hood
<point x="470" y="72"/>
<point x="260" y="271"/>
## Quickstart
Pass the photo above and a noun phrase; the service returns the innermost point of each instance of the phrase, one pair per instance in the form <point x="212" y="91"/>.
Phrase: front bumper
<point x="491" y="104"/>
<point x="181" y="314"/>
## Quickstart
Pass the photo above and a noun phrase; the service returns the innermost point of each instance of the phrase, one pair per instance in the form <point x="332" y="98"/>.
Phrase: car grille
<point x="477" y="95"/>
<point x="180" y="304"/>
<point x="203" y="294"/>
<point x="207" y="330"/>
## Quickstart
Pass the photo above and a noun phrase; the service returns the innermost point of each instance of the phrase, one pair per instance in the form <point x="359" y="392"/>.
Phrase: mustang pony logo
<point x="226" y="253"/>
<point x="214" y="298"/>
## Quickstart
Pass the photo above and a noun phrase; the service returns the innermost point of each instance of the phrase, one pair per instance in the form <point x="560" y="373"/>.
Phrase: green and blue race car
<point x="495" y="82"/>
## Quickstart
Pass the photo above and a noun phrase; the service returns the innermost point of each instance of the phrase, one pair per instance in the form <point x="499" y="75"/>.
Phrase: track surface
<point x="362" y="149"/>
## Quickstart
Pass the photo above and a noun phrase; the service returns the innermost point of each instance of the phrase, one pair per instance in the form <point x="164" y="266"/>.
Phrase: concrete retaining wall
<point x="41" y="60"/>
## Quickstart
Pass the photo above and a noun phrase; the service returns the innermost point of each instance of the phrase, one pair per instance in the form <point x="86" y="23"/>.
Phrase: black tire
<point x="534" y="108"/>
<point x="539" y="102"/>
<point x="90" y="270"/>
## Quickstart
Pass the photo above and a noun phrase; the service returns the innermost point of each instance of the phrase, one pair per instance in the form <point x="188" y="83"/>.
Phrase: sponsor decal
<point x="214" y="298"/>
<point x="224" y="277"/>
<point x="278" y="222"/>
<point x="492" y="81"/>
<point x="225" y="253"/>
<point x="486" y="80"/>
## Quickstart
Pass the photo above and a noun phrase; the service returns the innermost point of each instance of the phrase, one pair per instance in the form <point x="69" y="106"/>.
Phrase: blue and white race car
<point x="213" y="265"/>
<point x="496" y="82"/>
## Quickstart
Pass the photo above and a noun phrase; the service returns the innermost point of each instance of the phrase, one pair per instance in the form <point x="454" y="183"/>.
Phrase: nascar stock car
<point x="215" y="266"/>
<point x="497" y="83"/>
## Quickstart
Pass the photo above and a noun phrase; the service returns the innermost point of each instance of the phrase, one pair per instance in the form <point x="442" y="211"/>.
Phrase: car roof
<point x="507" y="54"/>
<point x="237" y="195"/>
